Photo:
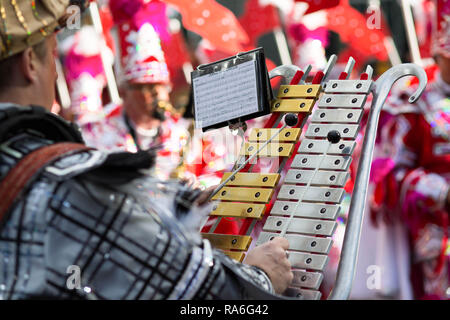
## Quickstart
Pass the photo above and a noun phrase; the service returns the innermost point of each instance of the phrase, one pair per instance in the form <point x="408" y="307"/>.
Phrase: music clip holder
<point x="230" y="91"/>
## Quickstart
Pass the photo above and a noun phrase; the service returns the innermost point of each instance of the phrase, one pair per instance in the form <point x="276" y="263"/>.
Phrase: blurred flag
<point x="351" y="25"/>
<point x="259" y="19"/>
<point x="316" y="5"/>
<point x="177" y="56"/>
<point x="213" y="22"/>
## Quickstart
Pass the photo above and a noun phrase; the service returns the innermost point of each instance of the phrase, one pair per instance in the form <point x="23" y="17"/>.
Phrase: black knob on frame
<point x="334" y="136"/>
<point x="291" y="119"/>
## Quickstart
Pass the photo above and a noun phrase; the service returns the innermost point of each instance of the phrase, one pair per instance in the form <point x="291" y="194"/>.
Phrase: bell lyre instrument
<point x="300" y="198"/>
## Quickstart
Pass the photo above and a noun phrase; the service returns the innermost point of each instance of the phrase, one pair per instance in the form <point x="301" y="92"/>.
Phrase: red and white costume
<point x="84" y="74"/>
<point x="404" y="243"/>
<point x="411" y="178"/>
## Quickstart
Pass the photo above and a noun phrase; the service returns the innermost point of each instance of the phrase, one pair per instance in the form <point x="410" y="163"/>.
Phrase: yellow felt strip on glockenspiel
<point x="228" y="241"/>
<point x="249" y="179"/>
<point x="239" y="210"/>
<point x="287" y="134"/>
<point x="272" y="149"/>
<point x="293" y="105"/>
<point x="259" y="195"/>
<point x="299" y="91"/>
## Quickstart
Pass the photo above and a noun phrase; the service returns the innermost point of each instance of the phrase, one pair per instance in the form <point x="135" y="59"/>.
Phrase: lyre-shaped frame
<point x="380" y="90"/>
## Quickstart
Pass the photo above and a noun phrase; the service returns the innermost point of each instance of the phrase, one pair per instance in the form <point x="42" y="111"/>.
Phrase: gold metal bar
<point x="293" y="105"/>
<point x="228" y="241"/>
<point x="299" y="91"/>
<point x="288" y="134"/>
<point x="244" y="194"/>
<point x="236" y="255"/>
<point x="239" y="210"/>
<point x="275" y="149"/>
<point x="249" y="179"/>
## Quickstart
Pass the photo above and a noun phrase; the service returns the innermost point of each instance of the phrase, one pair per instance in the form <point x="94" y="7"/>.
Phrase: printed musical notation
<point x="226" y="95"/>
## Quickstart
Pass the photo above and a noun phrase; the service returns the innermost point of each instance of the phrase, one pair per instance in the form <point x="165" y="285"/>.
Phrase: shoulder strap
<point x="28" y="168"/>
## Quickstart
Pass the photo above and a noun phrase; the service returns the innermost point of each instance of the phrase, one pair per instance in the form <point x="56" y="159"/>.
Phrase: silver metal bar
<point x="349" y="254"/>
<point x="311" y="261"/>
<point x="325" y="162"/>
<point x="348" y="86"/>
<point x="349" y="67"/>
<point x="304" y="279"/>
<point x="321" y="178"/>
<point x="336" y="116"/>
<point x="318" y="130"/>
<point x="310" y="294"/>
<point x="330" y="64"/>
<point x="300" y="225"/>
<point x="342" y="101"/>
<point x="302" y="294"/>
<point x="369" y="71"/>
<point x="305" y="74"/>
<point x="299" y="242"/>
<point x="308" y="193"/>
<point x="305" y="210"/>
<point x="344" y="147"/>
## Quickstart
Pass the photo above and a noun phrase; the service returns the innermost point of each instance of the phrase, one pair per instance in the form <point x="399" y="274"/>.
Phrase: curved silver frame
<point x="349" y="254"/>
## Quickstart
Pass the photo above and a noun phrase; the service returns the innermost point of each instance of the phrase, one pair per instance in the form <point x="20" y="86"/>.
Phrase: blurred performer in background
<point x="145" y="118"/>
<point x="66" y="207"/>
<point x="411" y="179"/>
<point x="144" y="84"/>
<point x="85" y="77"/>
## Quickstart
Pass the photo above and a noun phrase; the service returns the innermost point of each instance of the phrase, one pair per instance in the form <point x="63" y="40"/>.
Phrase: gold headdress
<point x="25" y="23"/>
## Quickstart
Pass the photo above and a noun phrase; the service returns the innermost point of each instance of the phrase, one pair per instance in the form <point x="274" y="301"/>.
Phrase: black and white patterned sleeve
<point x="123" y="251"/>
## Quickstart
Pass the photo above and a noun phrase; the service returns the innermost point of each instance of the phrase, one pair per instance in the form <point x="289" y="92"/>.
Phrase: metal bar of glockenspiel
<point x="330" y="65"/>
<point x="293" y="81"/>
<point x="305" y="189"/>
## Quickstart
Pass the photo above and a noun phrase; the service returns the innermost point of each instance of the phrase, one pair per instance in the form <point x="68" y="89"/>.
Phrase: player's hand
<point x="273" y="259"/>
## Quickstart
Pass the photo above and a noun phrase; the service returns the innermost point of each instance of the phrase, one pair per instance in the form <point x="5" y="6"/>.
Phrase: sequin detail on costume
<point x="36" y="14"/>
<point x="20" y="16"/>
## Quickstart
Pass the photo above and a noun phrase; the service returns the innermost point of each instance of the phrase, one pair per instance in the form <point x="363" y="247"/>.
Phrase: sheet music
<point x="226" y="95"/>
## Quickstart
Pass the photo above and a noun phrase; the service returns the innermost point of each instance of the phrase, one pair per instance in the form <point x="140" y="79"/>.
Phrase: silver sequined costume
<point x="98" y="214"/>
